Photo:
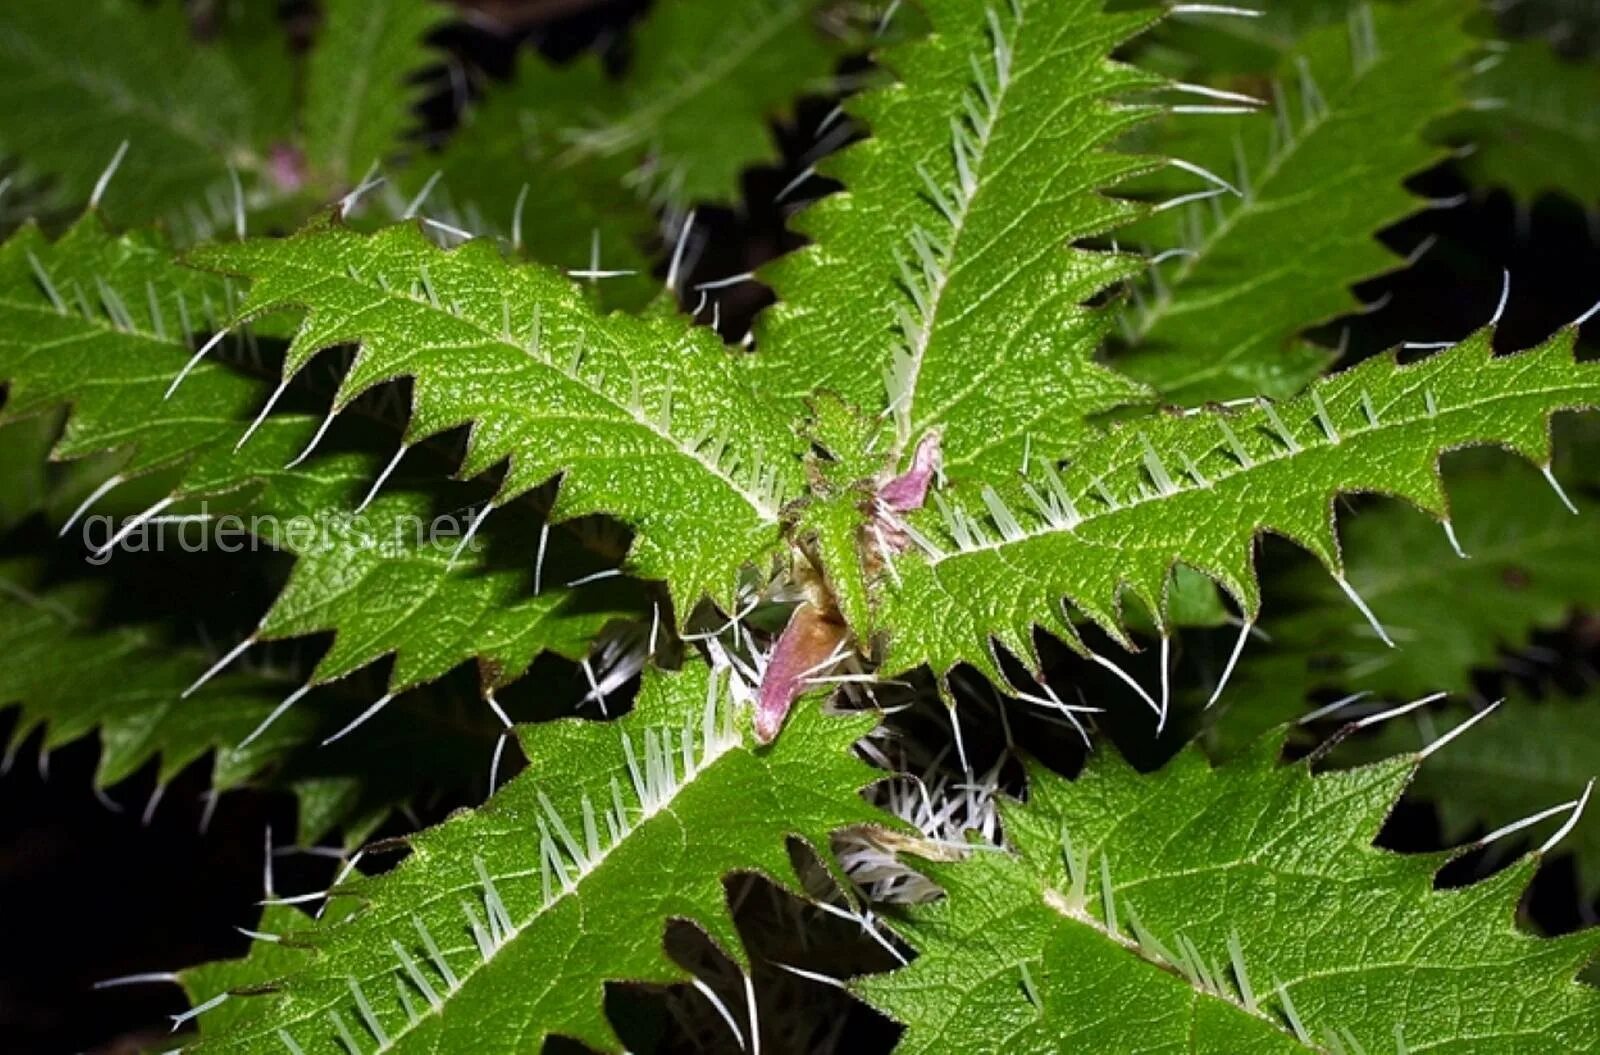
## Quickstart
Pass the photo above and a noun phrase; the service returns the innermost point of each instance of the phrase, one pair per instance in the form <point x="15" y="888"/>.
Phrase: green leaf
<point x="509" y="171"/>
<point x="575" y="163"/>
<point x="114" y="362"/>
<point x="32" y="484"/>
<point x="1198" y="488"/>
<point x="254" y="38"/>
<point x="86" y="317"/>
<point x="1239" y="909"/>
<point x="1319" y="177"/>
<point x="704" y="80"/>
<point x="360" y="86"/>
<point x="387" y="577"/>
<point x="24" y="484"/>
<point x="445" y="735"/>
<point x="266" y="960"/>
<point x="1538" y="755"/>
<point x="647" y="420"/>
<point x="1528" y="566"/>
<point x="520" y="912"/>
<point x="399" y="576"/>
<point x="1200" y="45"/>
<point x="1538" y="129"/>
<point x="126" y="683"/>
<point x="944" y="282"/>
<point x="85" y="78"/>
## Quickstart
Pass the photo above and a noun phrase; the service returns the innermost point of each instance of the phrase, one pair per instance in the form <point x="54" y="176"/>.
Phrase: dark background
<point x="87" y="893"/>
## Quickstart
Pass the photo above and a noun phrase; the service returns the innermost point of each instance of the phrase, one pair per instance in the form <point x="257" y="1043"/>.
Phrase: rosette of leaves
<point x="913" y="460"/>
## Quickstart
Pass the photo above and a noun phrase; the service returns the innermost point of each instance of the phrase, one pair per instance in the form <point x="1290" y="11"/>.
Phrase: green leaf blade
<point x="1197" y="489"/>
<point x="943" y="283"/>
<point x="646" y="419"/>
<point x="127" y="684"/>
<point x="705" y="79"/>
<point x="1321" y="173"/>
<point x="581" y="911"/>
<point x="1528" y="566"/>
<point x="387" y="579"/>
<point x="1540" y="755"/>
<point x="88" y="78"/>
<point x="593" y="172"/>
<point x="399" y="577"/>
<point x="1218" y="875"/>
<point x="1536" y="131"/>
<point x="359" y="95"/>
<point x="85" y="316"/>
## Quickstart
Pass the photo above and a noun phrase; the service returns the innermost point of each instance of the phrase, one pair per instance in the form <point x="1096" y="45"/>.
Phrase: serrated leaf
<point x="507" y="171"/>
<point x="569" y="876"/>
<point x="84" y="78"/>
<point x="126" y="683"/>
<point x="1529" y="564"/>
<point x="360" y="82"/>
<point x="264" y="963"/>
<point x="387" y="578"/>
<point x="1198" y="45"/>
<point x="1319" y="176"/>
<point x="1239" y="909"/>
<point x="1536" y="128"/>
<point x="131" y="687"/>
<point x="1542" y="753"/>
<point x="1197" y="489"/>
<point x="577" y="162"/>
<point x="647" y="420"/>
<point x="944" y="284"/>
<point x="703" y="82"/>
<point x="86" y="316"/>
<point x="400" y="576"/>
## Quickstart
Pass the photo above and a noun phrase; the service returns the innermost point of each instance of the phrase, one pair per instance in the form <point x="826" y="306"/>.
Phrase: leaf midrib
<point x="725" y="748"/>
<point x="1258" y="462"/>
<point x="492" y="337"/>
<point x="924" y="334"/>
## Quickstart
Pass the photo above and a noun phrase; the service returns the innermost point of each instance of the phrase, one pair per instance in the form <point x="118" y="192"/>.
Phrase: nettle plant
<point x="843" y="599"/>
